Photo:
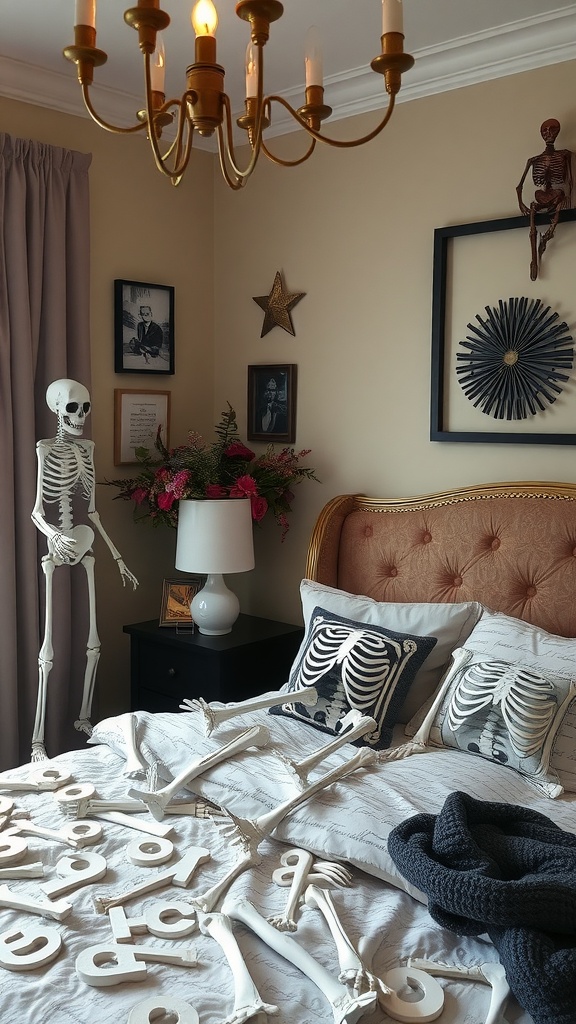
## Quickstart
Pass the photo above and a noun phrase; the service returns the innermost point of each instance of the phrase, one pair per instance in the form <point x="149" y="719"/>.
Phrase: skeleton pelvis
<point x="84" y="537"/>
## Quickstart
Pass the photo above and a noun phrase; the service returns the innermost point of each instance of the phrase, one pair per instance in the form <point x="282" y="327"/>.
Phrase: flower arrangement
<point x="225" y="468"/>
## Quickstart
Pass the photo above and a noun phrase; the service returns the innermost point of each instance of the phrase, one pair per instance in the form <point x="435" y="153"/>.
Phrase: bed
<point x="459" y="601"/>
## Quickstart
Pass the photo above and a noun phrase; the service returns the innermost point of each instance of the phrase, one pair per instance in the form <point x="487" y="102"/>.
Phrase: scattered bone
<point x="346" y="1008"/>
<point x="491" y="973"/>
<point x="354" y="725"/>
<point x="215" y="716"/>
<point x="57" y="909"/>
<point x="158" y="801"/>
<point x="247" y="1000"/>
<point x="179" y="874"/>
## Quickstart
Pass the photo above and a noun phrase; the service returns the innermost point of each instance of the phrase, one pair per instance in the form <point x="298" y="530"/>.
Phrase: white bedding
<point x="349" y="821"/>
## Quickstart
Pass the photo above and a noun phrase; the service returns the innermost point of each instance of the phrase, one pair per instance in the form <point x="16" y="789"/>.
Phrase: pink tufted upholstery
<point x="510" y="546"/>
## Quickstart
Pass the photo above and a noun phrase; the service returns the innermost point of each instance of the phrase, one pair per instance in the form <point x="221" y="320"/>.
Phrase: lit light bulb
<point x="251" y="71"/>
<point x="204" y="18"/>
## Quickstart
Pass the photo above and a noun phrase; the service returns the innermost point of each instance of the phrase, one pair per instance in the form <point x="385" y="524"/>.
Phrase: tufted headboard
<point x="511" y="547"/>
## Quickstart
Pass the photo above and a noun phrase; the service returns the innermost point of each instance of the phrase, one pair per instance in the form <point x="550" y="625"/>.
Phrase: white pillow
<point x="502" y="637"/>
<point x="449" y="624"/>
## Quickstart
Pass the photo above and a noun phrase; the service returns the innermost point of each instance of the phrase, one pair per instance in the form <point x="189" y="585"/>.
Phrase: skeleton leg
<point x="45" y="662"/>
<point x="548" y="234"/>
<point x="92" y="652"/>
<point x="533" y="239"/>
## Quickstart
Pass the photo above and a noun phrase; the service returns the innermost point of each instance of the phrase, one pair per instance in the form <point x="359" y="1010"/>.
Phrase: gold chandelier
<point x="205" y="107"/>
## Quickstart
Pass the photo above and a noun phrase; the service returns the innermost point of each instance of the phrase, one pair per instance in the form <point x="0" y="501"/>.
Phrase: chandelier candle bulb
<point x="158" y="68"/>
<point x="392" y="16"/>
<point x="85" y="13"/>
<point x="251" y="71"/>
<point x="313" y="58"/>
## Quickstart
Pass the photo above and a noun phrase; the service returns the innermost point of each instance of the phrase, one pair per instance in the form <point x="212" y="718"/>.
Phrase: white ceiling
<point x="455" y="42"/>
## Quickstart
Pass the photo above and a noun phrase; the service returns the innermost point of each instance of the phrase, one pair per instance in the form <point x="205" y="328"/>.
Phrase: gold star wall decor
<point x="277" y="306"/>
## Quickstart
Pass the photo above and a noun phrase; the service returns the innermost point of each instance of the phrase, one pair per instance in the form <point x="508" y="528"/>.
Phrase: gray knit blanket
<point x="507" y="871"/>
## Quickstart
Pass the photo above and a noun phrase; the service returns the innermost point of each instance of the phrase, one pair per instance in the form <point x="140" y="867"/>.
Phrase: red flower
<point x="165" y="501"/>
<point x="259" y="507"/>
<point x="237" y="450"/>
<point x="139" y="495"/>
<point x="178" y="485"/>
<point x="216" y="491"/>
<point x="244" y="487"/>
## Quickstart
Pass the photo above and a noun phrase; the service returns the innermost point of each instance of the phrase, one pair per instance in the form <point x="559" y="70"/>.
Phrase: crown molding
<point x="508" y="50"/>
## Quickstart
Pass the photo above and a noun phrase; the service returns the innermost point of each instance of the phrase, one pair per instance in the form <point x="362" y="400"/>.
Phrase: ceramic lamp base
<point x="215" y="608"/>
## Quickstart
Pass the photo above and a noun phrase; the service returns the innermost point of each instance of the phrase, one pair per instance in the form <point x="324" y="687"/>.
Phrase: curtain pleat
<point x="44" y="335"/>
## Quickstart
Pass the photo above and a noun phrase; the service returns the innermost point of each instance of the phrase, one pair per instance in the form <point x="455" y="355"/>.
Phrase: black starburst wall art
<point x="515" y="359"/>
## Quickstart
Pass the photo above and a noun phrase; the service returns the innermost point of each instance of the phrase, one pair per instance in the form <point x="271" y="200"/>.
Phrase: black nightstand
<point x="166" y="666"/>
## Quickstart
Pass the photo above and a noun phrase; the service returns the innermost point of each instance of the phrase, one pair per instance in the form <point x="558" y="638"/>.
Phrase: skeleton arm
<point x="63" y="545"/>
<point x="94" y="517"/>
<point x="523" y="208"/>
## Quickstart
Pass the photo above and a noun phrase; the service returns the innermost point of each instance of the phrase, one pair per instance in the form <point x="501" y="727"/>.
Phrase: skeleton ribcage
<point x="66" y="469"/>
<point x="365" y="659"/>
<point x="526" y="700"/>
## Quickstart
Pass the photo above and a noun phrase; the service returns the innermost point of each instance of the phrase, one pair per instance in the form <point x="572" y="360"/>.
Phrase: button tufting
<point x="531" y="592"/>
<point x="495" y="544"/>
<point x="393" y="572"/>
<point x="574" y="552"/>
<point x="368" y="530"/>
<point x="457" y="581"/>
<point x="426" y="538"/>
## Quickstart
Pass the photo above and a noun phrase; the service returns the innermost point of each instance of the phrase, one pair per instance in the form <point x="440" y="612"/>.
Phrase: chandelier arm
<point x="340" y="143"/>
<point x="289" y="163"/>
<point x="226" y="143"/>
<point x="105" y="124"/>
<point x="181" y="161"/>
<point x="234" y="183"/>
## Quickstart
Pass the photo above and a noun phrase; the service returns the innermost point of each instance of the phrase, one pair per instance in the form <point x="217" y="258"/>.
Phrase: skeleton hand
<point x="63" y="546"/>
<point x="126" y="574"/>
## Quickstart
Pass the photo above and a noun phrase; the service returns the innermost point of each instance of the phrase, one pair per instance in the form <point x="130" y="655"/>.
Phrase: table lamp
<point x="215" y="537"/>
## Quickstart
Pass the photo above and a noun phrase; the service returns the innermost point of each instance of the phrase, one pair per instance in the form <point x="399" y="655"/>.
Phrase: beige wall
<point x="353" y="230"/>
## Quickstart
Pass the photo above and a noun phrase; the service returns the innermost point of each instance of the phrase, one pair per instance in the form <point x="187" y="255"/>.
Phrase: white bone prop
<point x="215" y="716"/>
<point x="6" y="805"/>
<point x="180" y="874"/>
<point x="151" y="828"/>
<point x="78" y="796"/>
<point x="352" y="970"/>
<point x="157" y="802"/>
<point x="77" y="834"/>
<point x="30" y="947"/>
<point x="13" y="849"/>
<point x="490" y="973"/>
<point x="41" y="780"/>
<point x="300" y="861"/>
<point x="66" y="468"/>
<point x="425" y="1000"/>
<point x="149" y="852"/>
<point x="247" y="1000"/>
<point x="76" y="870"/>
<point x="107" y="964"/>
<point x="346" y="1009"/>
<point x="163" y="1007"/>
<point x="165" y="919"/>
<point x="136" y="765"/>
<point x="34" y="870"/>
<point x="354" y="725"/>
<point x="328" y="874"/>
<point x="56" y="909"/>
<point x="250" y="833"/>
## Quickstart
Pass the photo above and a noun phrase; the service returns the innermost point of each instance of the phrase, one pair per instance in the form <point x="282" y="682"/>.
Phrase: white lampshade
<point x="214" y="537"/>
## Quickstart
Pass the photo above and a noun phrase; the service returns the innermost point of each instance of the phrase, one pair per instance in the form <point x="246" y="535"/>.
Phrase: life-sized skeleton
<point x="66" y="468"/>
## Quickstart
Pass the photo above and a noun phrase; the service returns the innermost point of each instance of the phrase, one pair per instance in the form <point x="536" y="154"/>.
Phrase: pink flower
<point x="162" y="474"/>
<point x="237" y="450"/>
<point x="139" y="495"/>
<point x="216" y="491"/>
<point x="244" y="487"/>
<point x="165" y="501"/>
<point x="178" y="485"/>
<point x="259" y="507"/>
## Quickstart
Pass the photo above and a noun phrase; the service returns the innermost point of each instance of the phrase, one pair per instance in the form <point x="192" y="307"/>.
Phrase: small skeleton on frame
<point x="552" y="178"/>
<point x="65" y="467"/>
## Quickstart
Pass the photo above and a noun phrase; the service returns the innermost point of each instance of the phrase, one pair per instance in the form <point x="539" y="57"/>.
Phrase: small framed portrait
<point x="143" y="327"/>
<point x="176" y="598"/>
<point x="139" y="416"/>
<point x="272" y="403"/>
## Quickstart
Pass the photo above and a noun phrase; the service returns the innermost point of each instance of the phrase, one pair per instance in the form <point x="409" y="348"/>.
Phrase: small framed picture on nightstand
<point x="176" y="598"/>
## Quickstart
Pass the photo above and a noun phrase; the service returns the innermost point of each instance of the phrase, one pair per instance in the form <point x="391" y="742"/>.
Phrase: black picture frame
<point x="272" y="418"/>
<point x="133" y="352"/>
<point x="443" y="239"/>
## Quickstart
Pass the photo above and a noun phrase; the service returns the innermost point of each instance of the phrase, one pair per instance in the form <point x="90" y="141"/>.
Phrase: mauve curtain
<point x="44" y="335"/>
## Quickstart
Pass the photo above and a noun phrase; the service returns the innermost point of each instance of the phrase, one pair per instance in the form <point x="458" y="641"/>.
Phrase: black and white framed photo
<point x="272" y="403"/>
<point x="143" y="327"/>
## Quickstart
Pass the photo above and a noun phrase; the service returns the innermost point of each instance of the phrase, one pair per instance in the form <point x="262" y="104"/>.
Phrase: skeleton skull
<point x="71" y="403"/>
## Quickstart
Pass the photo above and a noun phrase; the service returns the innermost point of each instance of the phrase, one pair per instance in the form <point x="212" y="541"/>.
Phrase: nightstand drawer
<point x="166" y="670"/>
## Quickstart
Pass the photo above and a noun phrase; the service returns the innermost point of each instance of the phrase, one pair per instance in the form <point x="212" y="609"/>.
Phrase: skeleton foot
<point x="83" y="725"/>
<point x="247" y="1000"/>
<point x="38" y="752"/>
